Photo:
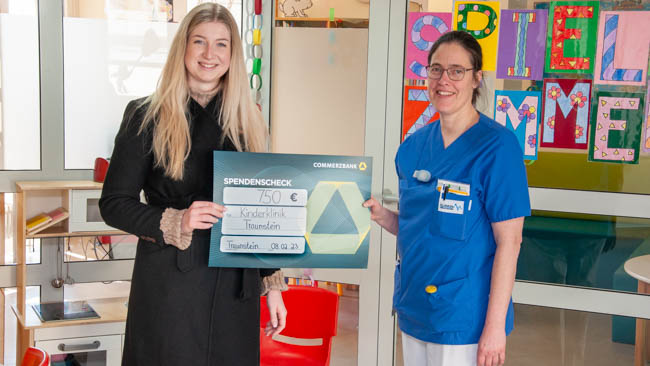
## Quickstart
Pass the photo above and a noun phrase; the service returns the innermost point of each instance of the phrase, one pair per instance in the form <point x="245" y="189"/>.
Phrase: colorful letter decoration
<point x="424" y="29"/>
<point x="645" y="146"/>
<point x="418" y="111"/>
<point x="522" y="41"/>
<point x="566" y="113"/>
<point x="519" y="112"/>
<point x="616" y="128"/>
<point x="571" y="40"/>
<point x="623" y="45"/>
<point x="480" y="19"/>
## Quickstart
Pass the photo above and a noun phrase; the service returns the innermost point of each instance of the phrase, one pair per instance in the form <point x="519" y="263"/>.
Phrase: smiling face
<point x="448" y="96"/>
<point x="207" y="56"/>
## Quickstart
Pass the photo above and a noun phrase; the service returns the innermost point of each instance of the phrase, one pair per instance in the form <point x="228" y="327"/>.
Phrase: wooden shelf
<point x="44" y="196"/>
<point x="49" y="225"/>
<point x="57" y="231"/>
<point x="57" y="185"/>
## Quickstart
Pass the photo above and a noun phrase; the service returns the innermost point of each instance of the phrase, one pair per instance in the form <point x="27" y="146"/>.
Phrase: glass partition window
<point x="114" y="52"/>
<point x="8" y="243"/>
<point x="582" y="250"/>
<point x="20" y="135"/>
<point x="100" y="248"/>
<point x="558" y="248"/>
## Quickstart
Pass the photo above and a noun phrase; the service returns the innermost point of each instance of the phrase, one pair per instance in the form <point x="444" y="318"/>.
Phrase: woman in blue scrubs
<point x="463" y="196"/>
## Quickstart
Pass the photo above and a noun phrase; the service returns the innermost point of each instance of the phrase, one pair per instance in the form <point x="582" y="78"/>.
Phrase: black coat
<point x="181" y="312"/>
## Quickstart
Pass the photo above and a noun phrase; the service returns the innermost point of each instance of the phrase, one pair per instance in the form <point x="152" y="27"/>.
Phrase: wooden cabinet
<point x="37" y="197"/>
<point x="98" y="341"/>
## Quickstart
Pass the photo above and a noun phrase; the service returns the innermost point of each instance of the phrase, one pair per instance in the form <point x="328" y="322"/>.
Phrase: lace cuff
<point x="170" y="225"/>
<point x="274" y="282"/>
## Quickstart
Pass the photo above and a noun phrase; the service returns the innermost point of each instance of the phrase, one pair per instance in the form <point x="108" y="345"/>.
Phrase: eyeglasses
<point x="455" y="73"/>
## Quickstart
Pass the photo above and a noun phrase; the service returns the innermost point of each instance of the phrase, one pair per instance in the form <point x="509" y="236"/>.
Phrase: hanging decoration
<point x="254" y="8"/>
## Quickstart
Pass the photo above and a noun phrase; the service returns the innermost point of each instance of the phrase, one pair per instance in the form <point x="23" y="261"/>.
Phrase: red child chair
<point x="35" y="357"/>
<point x="312" y="314"/>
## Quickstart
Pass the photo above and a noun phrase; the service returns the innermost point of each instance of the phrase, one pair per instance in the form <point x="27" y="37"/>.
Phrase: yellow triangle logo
<point x="611" y="125"/>
<point x="616" y="152"/>
<point x="618" y="104"/>
<point x="604" y="138"/>
<point x="559" y="44"/>
<point x="632" y="103"/>
<point x="603" y="101"/>
<point x="605" y="115"/>
<point x="559" y="21"/>
<point x="590" y="9"/>
<point x="573" y="36"/>
<point x="600" y="127"/>
<point x="569" y="11"/>
<point x="572" y="63"/>
<point x="630" y="152"/>
<point x="624" y="125"/>
<point x="604" y="154"/>
<point x="595" y="148"/>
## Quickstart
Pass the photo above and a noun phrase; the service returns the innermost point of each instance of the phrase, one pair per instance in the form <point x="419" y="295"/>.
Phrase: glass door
<point x="575" y="303"/>
<point x="328" y="89"/>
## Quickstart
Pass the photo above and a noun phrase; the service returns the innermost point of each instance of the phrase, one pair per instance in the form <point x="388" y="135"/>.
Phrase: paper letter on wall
<point x="566" y="113"/>
<point x="522" y="41"/>
<point x="480" y="19"/>
<point x="519" y="112"/>
<point x="571" y="39"/>
<point x="616" y="128"/>
<point x="424" y="29"/>
<point x="623" y="45"/>
<point x="418" y="111"/>
<point x="646" y="126"/>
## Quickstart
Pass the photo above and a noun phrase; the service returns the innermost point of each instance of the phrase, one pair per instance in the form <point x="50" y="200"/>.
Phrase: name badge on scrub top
<point x="449" y="190"/>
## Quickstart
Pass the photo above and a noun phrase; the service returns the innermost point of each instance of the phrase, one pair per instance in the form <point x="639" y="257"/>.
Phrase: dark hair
<point x="470" y="44"/>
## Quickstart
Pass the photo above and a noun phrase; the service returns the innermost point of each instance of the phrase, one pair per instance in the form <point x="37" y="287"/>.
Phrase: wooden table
<point x="639" y="268"/>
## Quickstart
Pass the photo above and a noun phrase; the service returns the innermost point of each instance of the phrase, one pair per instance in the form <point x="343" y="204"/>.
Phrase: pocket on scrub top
<point x="451" y="217"/>
<point x="450" y="307"/>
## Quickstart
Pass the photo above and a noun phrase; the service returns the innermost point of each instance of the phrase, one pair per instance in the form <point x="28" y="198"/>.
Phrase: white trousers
<point x="420" y="353"/>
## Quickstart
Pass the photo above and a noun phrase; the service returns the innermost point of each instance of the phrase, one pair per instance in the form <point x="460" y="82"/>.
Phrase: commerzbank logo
<point x="337" y="223"/>
<point x="362" y="166"/>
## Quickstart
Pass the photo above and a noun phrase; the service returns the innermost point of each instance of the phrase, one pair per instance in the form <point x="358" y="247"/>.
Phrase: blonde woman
<point x="181" y="312"/>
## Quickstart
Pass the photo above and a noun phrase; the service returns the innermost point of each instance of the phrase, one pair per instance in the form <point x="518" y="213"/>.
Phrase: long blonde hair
<point x="241" y="120"/>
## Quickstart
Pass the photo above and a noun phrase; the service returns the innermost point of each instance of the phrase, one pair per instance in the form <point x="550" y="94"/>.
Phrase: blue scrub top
<point x="445" y="242"/>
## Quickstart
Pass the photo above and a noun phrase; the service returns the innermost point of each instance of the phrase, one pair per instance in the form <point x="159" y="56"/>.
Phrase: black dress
<point x="181" y="312"/>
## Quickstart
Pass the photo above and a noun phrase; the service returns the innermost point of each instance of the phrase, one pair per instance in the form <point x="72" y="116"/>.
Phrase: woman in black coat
<point x="182" y="312"/>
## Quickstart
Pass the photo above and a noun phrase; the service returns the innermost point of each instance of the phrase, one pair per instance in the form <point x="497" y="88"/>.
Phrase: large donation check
<point x="285" y="210"/>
